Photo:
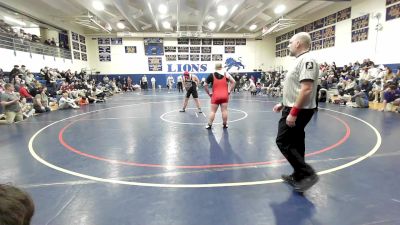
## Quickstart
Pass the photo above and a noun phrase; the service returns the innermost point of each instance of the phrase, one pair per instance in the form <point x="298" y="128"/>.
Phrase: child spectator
<point x="26" y="108"/>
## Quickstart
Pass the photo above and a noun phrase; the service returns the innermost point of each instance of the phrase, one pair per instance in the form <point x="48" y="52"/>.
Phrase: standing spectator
<point x="144" y="83"/>
<point x="237" y="83"/>
<point x="1" y="74"/>
<point x="179" y="84"/>
<point x="299" y="91"/>
<point x="170" y="82"/>
<point x="23" y="72"/>
<point x="14" y="72"/>
<point x="153" y="83"/>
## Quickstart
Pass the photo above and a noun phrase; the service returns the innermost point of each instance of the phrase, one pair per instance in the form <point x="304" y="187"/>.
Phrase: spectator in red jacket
<point x="23" y="91"/>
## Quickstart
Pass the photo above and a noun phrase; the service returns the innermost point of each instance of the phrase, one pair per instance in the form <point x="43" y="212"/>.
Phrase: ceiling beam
<point x="178" y="9"/>
<point x="204" y="14"/>
<point x="153" y="16"/>
<point x="98" y="14"/>
<point x="235" y="7"/>
<point x="121" y="6"/>
<point x="255" y="15"/>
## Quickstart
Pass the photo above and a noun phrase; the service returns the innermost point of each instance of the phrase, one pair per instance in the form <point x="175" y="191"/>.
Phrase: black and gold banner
<point x="360" y="22"/>
<point x="343" y="15"/>
<point x="393" y="12"/>
<point x="359" y="35"/>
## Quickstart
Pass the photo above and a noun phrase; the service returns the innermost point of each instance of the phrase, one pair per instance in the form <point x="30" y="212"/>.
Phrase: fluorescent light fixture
<point x="253" y="27"/>
<point x="34" y="25"/>
<point x="279" y="9"/>
<point x="166" y="25"/>
<point x="222" y="10"/>
<point x="162" y="9"/>
<point x="121" y="25"/>
<point x="14" y="21"/>
<point x="234" y="8"/>
<point x="212" y="25"/>
<point x="99" y="25"/>
<point x="98" y="5"/>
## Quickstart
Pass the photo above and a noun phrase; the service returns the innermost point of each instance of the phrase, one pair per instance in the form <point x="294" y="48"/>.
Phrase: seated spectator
<point x="35" y="38"/>
<point x="65" y="102"/>
<point x="252" y="87"/>
<point x="26" y="108"/>
<point x="41" y="101"/>
<point x="29" y="79"/>
<point x="23" y="91"/>
<point x="53" y="42"/>
<point x="47" y="42"/>
<point x="389" y="76"/>
<point x="258" y="88"/>
<point x="12" y="109"/>
<point x="83" y="101"/>
<point x="360" y="98"/>
<point x="16" y="206"/>
<point x="377" y="90"/>
<point x="351" y="84"/>
<point x="391" y="95"/>
<point x="322" y="95"/>
<point x="366" y="86"/>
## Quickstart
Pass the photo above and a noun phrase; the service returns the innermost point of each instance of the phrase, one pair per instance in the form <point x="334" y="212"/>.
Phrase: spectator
<point x="41" y="101"/>
<point x="389" y="76"/>
<point x="1" y="74"/>
<point x="10" y="101"/>
<point x="16" y="206"/>
<point x="14" y="72"/>
<point x="26" y="108"/>
<point x="360" y="98"/>
<point x="391" y="95"/>
<point x="65" y="102"/>
<point x="23" y="91"/>
<point x="377" y="90"/>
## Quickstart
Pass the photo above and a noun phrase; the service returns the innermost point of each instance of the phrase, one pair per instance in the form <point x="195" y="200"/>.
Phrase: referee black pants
<point x="291" y="142"/>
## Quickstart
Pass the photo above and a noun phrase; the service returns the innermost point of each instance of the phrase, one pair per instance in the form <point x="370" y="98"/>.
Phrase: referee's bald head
<point x="304" y="39"/>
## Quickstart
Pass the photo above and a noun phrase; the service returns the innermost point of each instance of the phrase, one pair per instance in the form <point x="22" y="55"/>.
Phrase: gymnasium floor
<point x="137" y="160"/>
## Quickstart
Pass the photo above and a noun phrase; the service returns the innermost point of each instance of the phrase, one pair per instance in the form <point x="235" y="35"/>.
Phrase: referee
<point x="299" y="93"/>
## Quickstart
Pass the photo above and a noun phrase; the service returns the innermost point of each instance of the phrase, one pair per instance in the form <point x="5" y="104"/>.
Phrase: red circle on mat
<point x="66" y="145"/>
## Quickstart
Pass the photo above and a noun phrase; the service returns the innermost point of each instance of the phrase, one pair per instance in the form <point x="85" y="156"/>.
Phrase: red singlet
<point x="220" y="91"/>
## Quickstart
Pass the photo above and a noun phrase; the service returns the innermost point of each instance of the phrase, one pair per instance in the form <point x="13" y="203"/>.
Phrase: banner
<point x="155" y="63"/>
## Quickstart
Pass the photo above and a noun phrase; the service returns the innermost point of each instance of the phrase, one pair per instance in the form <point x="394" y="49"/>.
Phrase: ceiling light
<point x="162" y="9"/>
<point x="108" y="27"/>
<point x="121" y="25"/>
<point x="222" y="10"/>
<point x="279" y="9"/>
<point x="98" y="6"/>
<point x="34" y="25"/>
<point x="166" y="25"/>
<point x="212" y="25"/>
<point x="14" y="21"/>
<point x="253" y="27"/>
